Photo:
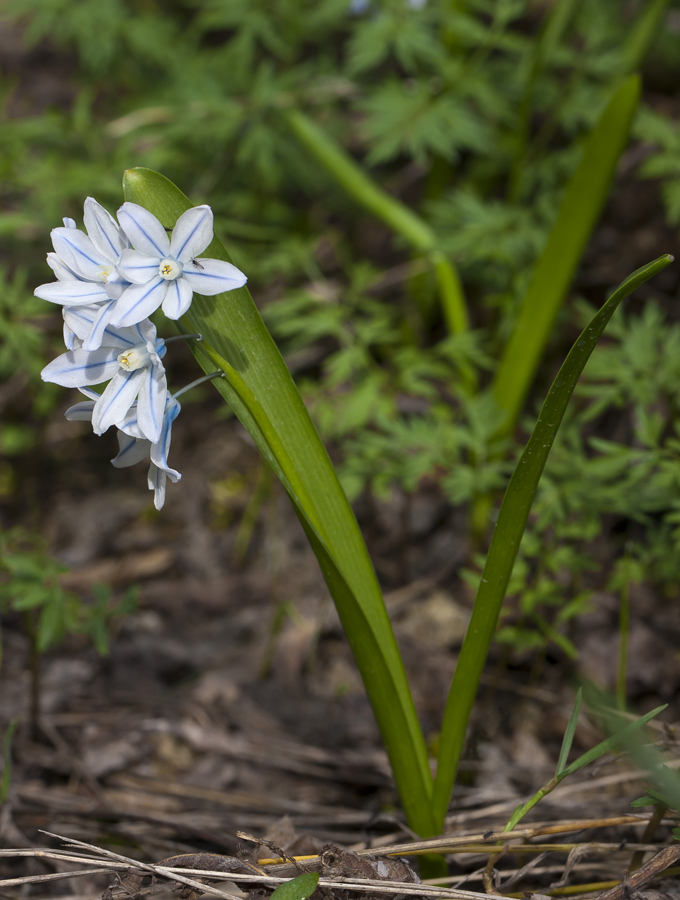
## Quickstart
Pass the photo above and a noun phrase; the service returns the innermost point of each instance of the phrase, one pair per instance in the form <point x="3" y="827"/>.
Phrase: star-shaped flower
<point x="133" y="446"/>
<point x="85" y="267"/>
<point x="165" y="271"/>
<point x="130" y="357"/>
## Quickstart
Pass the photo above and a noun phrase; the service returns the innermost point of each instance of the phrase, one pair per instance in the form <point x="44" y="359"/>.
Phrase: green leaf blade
<point x="507" y="535"/>
<point x="580" y="210"/>
<point x="261" y="391"/>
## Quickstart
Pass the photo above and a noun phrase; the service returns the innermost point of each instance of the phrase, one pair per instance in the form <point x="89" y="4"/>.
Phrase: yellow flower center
<point x="170" y="269"/>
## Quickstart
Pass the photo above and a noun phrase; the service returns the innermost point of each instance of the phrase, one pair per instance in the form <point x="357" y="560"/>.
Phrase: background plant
<point x="31" y="585"/>
<point x="474" y="118"/>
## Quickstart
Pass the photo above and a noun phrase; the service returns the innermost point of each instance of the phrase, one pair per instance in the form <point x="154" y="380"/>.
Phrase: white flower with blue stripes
<point x="86" y="268"/>
<point x="133" y="446"/>
<point x="165" y="271"/>
<point x="130" y="358"/>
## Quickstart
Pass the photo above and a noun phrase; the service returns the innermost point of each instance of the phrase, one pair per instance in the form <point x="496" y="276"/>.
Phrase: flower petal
<point x="143" y="229"/>
<point x="89" y="392"/>
<point x="138" y="267"/>
<point x="61" y="272"/>
<point x="100" y="327"/>
<point x="160" y="450"/>
<point x="132" y="450"/>
<point x="80" y="367"/>
<point x="151" y="402"/>
<point x="116" y="400"/>
<point x="213" y="276"/>
<point x="116" y="285"/>
<point x="145" y="330"/>
<point x="81" y="412"/>
<point x="156" y="480"/>
<point x="91" y="325"/>
<point x="192" y="233"/>
<point x="71" y="293"/>
<point x="103" y="230"/>
<point x="80" y="319"/>
<point x="71" y="339"/>
<point x="129" y="423"/>
<point x="139" y="301"/>
<point x="77" y="251"/>
<point x="178" y="299"/>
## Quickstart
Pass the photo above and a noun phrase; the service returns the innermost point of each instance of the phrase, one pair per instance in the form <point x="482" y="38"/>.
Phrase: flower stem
<point x="183" y="337"/>
<point x="197" y="382"/>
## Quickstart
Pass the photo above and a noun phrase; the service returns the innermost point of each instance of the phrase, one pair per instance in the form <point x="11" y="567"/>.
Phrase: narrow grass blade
<point x="261" y="391"/>
<point x="510" y="526"/>
<point x="581" y="207"/>
<point x="621" y="737"/>
<point x="352" y="178"/>
<point x="569" y="735"/>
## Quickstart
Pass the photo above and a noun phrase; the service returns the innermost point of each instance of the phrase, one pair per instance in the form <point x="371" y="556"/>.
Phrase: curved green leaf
<point x="507" y="535"/>
<point x="261" y="391"/>
<point x="580" y="210"/>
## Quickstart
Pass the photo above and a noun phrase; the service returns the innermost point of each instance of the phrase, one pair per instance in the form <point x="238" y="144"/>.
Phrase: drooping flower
<point x="165" y="271"/>
<point x="130" y="358"/>
<point x="133" y="447"/>
<point x="85" y="267"/>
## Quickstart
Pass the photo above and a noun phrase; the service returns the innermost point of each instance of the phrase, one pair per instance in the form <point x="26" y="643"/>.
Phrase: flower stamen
<point x="170" y="269"/>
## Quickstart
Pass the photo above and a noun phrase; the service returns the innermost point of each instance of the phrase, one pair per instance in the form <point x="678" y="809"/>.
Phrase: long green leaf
<point x="507" y="535"/>
<point x="580" y="210"/>
<point x="642" y="33"/>
<point x="261" y="391"/>
<point x="352" y="178"/>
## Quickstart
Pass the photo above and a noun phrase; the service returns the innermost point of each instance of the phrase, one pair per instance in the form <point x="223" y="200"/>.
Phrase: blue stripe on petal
<point x="79" y="253"/>
<point x="102" y="229"/>
<point x="151" y="403"/>
<point x="116" y="400"/>
<point x="72" y="293"/>
<point x="145" y="232"/>
<point x="214" y="277"/>
<point x="132" y="451"/>
<point x="192" y="233"/>
<point x="78" y="367"/>
<point x="139" y="301"/>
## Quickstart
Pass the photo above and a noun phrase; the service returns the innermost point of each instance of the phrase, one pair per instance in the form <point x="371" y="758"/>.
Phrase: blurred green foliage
<point x="457" y="108"/>
<point x="30" y="583"/>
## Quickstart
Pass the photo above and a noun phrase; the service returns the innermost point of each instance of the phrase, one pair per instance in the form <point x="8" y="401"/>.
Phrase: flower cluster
<point x="110" y="279"/>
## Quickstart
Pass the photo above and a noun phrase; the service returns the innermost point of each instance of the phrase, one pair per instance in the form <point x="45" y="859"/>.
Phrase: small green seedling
<point x="298" y="889"/>
<point x="563" y="770"/>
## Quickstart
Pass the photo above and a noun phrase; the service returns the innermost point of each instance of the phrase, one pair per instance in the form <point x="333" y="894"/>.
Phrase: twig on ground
<point x="646" y="873"/>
